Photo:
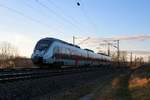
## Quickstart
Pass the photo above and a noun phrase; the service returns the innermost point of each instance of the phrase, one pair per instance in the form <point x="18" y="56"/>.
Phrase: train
<point x="54" y="52"/>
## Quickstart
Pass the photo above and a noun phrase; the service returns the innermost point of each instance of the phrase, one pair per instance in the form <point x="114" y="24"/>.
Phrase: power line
<point x="56" y="14"/>
<point x="22" y="14"/>
<point x="42" y="13"/>
<point x="67" y="16"/>
<point x="84" y="41"/>
<point x="82" y="6"/>
<point x="30" y="6"/>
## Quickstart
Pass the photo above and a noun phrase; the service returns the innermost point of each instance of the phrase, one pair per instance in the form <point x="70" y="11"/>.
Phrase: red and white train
<point x="51" y="51"/>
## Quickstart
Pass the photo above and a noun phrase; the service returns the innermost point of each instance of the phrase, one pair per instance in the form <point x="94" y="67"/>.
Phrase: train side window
<point x="68" y="51"/>
<point x="62" y="51"/>
<point x="56" y="50"/>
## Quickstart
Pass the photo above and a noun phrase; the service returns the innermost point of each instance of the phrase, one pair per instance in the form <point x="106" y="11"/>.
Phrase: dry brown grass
<point x="18" y="62"/>
<point x="139" y="84"/>
<point x="116" y="89"/>
<point x="140" y="89"/>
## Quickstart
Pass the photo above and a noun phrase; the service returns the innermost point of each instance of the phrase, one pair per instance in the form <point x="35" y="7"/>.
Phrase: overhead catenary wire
<point x="84" y="41"/>
<point x="65" y="15"/>
<point x="22" y="14"/>
<point x="27" y="17"/>
<point x="81" y="5"/>
<point x="40" y="12"/>
<point x="32" y="7"/>
<point x="58" y="15"/>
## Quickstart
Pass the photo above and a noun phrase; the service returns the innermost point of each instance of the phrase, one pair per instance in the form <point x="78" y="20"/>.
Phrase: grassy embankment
<point x="139" y="84"/>
<point x="132" y="86"/>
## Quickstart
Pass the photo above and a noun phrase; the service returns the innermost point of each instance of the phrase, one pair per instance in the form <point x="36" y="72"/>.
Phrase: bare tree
<point x="7" y="51"/>
<point x="9" y="57"/>
<point x="141" y="60"/>
<point x="123" y="56"/>
<point x="148" y="59"/>
<point x="114" y="57"/>
<point x="138" y="61"/>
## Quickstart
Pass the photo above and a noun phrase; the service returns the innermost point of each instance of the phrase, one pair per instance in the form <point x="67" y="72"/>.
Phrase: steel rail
<point x="13" y="75"/>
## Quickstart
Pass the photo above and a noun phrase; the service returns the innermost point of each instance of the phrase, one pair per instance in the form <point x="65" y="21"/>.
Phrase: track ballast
<point x="21" y="74"/>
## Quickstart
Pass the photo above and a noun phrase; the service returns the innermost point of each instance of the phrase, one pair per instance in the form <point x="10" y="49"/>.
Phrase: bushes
<point x="18" y="62"/>
<point x="8" y="51"/>
<point x="9" y="57"/>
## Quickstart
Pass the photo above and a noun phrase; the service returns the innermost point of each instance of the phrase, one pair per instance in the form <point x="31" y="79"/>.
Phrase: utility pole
<point x="74" y="40"/>
<point x="135" y="60"/>
<point x="148" y="59"/>
<point x="131" y="58"/>
<point x="108" y="44"/>
<point x="118" y="47"/>
<point x="108" y="49"/>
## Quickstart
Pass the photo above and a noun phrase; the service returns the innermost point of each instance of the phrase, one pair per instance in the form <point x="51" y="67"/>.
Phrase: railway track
<point x="21" y="74"/>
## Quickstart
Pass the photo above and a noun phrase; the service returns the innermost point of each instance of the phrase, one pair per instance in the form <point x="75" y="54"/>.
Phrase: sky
<point x="24" y="22"/>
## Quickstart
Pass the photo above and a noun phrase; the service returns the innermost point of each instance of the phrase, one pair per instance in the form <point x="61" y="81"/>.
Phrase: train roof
<point x="89" y="50"/>
<point x="51" y="40"/>
<point x="103" y="54"/>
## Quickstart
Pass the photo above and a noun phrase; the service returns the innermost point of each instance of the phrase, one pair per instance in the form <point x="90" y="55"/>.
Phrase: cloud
<point x="95" y="41"/>
<point x="126" y="37"/>
<point x="128" y="43"/>
<point x="135" y="37"/>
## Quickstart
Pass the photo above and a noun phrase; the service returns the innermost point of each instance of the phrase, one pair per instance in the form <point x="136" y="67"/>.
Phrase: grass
<point x="133" y="86"/>
<point x="141" y="93"/>
<point x="139" y="84"/>
<point x="116" y="89"/>
<point x="123" y="91"/>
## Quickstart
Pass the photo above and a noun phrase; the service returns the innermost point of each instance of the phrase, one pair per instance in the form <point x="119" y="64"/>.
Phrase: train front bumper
<point x="37" y="59"/>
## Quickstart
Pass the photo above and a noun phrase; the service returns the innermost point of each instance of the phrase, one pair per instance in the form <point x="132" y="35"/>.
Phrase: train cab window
<point x="42" y="45"/>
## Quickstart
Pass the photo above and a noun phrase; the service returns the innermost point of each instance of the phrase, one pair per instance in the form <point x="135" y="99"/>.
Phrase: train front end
<point x="40" y="54"/>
